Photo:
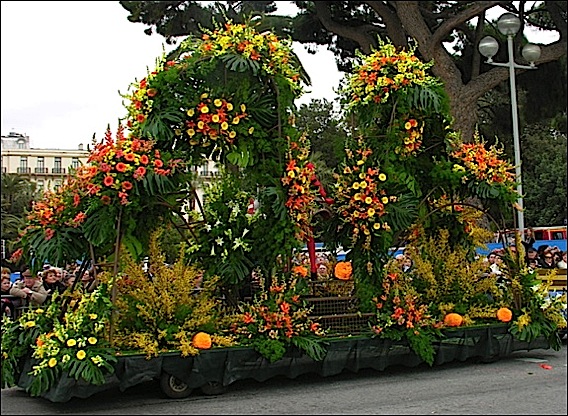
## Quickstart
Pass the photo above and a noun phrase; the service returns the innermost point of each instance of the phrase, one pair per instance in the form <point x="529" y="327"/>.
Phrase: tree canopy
<point x="347" y="26"/>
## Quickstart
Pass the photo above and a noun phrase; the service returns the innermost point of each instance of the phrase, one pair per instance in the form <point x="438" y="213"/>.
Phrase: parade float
<point x="243" y="297"/>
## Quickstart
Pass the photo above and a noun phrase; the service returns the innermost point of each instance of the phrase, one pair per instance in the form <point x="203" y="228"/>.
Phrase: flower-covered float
<point x="241" y="299"/>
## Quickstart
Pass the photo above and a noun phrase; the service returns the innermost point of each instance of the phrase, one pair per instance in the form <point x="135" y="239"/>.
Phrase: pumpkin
<point x="343" y="270"/>
<point x="504" y="314"/>
<point x="453" y="319"/>
<point x="201" y="340"/>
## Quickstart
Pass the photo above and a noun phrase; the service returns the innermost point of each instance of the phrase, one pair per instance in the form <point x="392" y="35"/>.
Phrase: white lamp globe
<point x="508" y="24"/>
<point x="488" y="47"/>
<point x="531" y="52"/>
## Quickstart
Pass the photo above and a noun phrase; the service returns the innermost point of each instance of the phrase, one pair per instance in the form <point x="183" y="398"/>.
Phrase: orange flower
<point x="144" y="160"/>
<point x="130" y="157"/>
<point x="300" y="270"/>
<point x="158" y="163"/>
<point x="126" y="185"/>
<point x="121" y="167"/>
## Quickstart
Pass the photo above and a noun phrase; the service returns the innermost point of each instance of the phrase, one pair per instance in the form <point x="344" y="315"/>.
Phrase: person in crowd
<point x="561" y="264"/>
<point x="406" y="264"/>
<point x="30" y="289"/>
<point x="51" y="283"/>
<point x="529" y="239"/>
<point x="69" y="279"/>
<point x="8" y="305"/>
<point x="547" y="259"/>
<point x="89" y="281"/>
<point x="531" y="257"/>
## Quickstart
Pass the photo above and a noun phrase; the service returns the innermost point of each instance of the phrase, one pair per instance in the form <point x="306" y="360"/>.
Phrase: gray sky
<point x="64" y="63"/>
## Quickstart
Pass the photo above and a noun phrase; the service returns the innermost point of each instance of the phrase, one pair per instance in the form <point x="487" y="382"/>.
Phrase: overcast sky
<point x="64" y="63"/>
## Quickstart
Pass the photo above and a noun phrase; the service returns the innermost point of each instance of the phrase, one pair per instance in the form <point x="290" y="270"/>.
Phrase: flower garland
<point x="361" y="195"/>
<point x="276" y="317"/>
<point x="302" y="186"/>
<point x="114" y="167"/>
<point x="411" y="137"/>
<point x="484" y="164"/>
<point x="381" y="73"/>
<point x="214" y="121"/>
<point x="274" y="55"/>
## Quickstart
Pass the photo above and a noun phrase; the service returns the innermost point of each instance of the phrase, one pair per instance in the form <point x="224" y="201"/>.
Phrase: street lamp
<point x="509" y="24"/>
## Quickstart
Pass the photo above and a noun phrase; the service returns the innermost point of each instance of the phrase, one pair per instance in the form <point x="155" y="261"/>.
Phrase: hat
<point x="27" y="274"/>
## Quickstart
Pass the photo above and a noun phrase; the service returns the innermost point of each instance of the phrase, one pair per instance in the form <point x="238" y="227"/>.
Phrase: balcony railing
<point x="41" y="170"/>
<point x="24" y="170"/>
<point x="58" y="170"/>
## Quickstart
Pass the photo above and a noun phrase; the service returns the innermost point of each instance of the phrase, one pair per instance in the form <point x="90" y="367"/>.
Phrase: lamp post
<point x="509" y="24"/>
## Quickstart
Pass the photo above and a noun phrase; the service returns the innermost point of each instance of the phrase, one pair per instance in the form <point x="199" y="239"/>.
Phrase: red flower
<point x="121" y="167"/>
<point x="76" y="200"/>
<point x="141" y="171"/>
<point x="105" y="199"/>
<point x="108" y="181"/>
<point x="152" y="92"/>
<point x="144" y="160"/>
<point x="140" y="118"/>
<point x="158" y="163"/>
<point x="126" y="185"/>
<point x="49" y="233"/>
<point x="129" y="157"/>
<point x="248" y="318"/>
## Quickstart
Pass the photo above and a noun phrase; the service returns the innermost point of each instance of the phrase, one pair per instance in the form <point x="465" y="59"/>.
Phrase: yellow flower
<point x="39" y="311"/>
<point x="190" y="112"/>
<point x="218" y="102"/>
<point x="52" y="362"/>
<point x="382" y="177"/>
<point x="204" y="96"/>
<point x="355" y="185"/>
<point x="236" y="120"/>
<point x="360" y="162"/>
<point x="371" y="212"/>
<point x="363" y="185"/>
<point x="200" y="124"/>
<point x="357" y="196"/>
<point x="347" y="169"/>
<point x="177" y="132"/>
<point x="229" y="106"/>
<point x="251" y="130"/>
<point x="29" y="324"/>
<point x="232" y="134"/>
<point x="93" y="316"/>
<point x="81" y="354"/>
<point x="71" y="342"/>
<point x="243" y="108"/>
<point x="356" y="214"/>
<point x="384" y="200"/>
<point x="204" y="109"/>
<point x="215" y="118"/>
<point x="368" y="200"/>
<point x="362" y="175"/>
<point x="224" y="125"/>
<point x="92" y="340"/>
<point x="191" y="132"/>
<point x="377" y="225"/>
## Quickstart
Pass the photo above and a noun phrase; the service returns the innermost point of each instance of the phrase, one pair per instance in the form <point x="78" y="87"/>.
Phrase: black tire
<point x="173" y="387"/>
<point x="213" y="388"/>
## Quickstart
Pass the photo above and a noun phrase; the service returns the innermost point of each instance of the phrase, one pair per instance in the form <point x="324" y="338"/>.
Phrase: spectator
<point x="532" y="257"/>
<point x="561" y="264"/>
<point x="8" y="305"/>
<point x="89" y="281"/>
<point x="529" y="239"/>
<point x="547" y="260"/>
<point x="30" y="289"/>
<point x="51" y="283"/>
<point x="406" y="264"/>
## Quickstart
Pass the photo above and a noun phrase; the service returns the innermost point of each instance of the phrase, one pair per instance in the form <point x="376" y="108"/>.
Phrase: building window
<point x="57" y="165"/>
<point x="21" y="144"/>
<point x="40" y="162"/>
<point x="23" y="164"/>
<point x="75" y="162"/>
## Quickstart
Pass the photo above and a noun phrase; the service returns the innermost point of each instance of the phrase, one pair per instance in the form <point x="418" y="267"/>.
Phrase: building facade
<point x="47" y="168"/>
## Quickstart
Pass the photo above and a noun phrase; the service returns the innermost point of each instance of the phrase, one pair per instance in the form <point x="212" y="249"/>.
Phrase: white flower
<point x="219" y="241"/>
<point x="207" y="227"/>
